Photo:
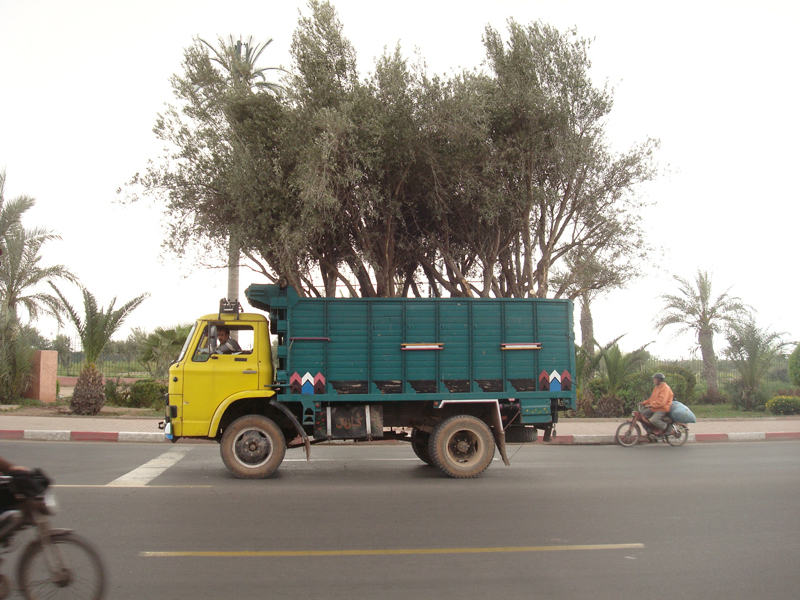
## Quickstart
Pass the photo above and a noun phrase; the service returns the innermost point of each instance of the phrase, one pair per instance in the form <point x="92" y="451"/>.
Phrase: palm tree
<point x="21" y="275"/>
<point x="162" y="347"/>
<point x="752" y="350"/>
<point x="11" y="211"/>
<point x="95" y="329"/>
<point x="238" y="61"/>
<point x="694" y="309"/>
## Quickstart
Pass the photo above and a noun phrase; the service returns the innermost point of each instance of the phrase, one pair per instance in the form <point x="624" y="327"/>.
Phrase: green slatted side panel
<point x="387" y="335"/>
<point x="421" y="328"/>
<point x="520" y="321"/>
<point x="307" y="322"/>
<point x="455" y="328"/>
<point x="556" y="351"/>
<point x="348" y="329"/>
<point x="487" y="336"/>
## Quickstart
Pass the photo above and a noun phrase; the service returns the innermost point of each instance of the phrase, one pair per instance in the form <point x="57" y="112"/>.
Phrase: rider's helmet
<point x="659" y="377"/>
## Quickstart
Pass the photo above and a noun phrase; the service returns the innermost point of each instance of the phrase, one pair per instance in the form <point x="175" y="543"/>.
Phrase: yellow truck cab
<point x="203" y="382"/>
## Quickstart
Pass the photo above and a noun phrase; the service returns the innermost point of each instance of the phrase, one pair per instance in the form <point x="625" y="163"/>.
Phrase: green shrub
<point x="712" y="397"/>
<point x="637" y="388"/>
<point x="794" y="366"/>
<point x="117" y="392"/>
<point x="147" y="393"/>
<point x="784" y="405"/>
<point x="689" y="381"/>
<point x="597" y="387"/>
<point x="746" y="399"/>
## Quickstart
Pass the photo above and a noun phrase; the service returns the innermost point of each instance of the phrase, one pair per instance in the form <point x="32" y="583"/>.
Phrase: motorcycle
<point x="56" y="562"/>
<point x="629" y="433"/>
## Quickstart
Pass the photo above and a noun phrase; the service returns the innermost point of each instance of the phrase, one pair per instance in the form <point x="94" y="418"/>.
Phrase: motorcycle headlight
<point x="50" y="502"/>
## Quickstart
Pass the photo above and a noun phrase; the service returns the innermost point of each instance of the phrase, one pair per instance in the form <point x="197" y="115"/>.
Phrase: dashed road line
<point x="390" y="552"/>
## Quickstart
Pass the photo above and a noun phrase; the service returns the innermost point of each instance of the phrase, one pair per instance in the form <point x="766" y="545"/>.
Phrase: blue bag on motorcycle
<point x="680" y="413"/>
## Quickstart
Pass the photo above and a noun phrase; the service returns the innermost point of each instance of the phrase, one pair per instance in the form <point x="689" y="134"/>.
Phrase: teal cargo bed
<point x="369" y="350"/>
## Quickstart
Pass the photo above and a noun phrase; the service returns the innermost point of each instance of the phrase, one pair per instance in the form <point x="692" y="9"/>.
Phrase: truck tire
<point x="462" y="446"/>
<point x="420" y="441"/>
<point x="521" y="435"/>
<point x="252" y="447"/>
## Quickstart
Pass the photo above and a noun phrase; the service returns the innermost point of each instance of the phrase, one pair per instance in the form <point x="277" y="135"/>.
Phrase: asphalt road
<point x="565" y="522"/>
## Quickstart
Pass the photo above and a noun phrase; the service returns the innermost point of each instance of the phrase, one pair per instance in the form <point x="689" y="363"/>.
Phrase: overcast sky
<point x="716" y="81"/>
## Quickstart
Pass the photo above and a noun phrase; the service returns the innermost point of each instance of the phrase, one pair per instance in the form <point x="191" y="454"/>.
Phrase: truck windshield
<point x="186" y="343"/>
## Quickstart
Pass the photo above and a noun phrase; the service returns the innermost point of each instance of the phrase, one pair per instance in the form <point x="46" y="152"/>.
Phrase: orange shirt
<point x="660" y="399"/>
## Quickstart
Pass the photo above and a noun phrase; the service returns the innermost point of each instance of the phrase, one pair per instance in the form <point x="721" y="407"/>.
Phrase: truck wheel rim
<point x="464" y="448"/>
<point x="252" y="448"/>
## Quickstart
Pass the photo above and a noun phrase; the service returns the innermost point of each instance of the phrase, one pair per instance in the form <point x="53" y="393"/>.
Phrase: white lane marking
<point x="143" y="475"/>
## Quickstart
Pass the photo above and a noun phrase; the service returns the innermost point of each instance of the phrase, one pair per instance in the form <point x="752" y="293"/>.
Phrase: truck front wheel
<point x="252" y="447"/>
<point x="462" y="446"/>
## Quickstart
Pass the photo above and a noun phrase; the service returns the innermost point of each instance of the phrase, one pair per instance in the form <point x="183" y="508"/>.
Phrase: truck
<point x="456" y="378"/>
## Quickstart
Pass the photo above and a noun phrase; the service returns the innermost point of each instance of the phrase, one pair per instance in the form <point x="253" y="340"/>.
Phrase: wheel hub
<point x="252" y="447"/>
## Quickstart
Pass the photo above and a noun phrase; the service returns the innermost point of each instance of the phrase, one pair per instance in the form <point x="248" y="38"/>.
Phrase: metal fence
<point x="726" y="370"/>
<point x="110" y="365"/>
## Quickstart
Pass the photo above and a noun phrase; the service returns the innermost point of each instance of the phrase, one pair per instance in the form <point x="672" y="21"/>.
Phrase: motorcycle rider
<point x="9" y="518"/>
<point x="658" y="404"/>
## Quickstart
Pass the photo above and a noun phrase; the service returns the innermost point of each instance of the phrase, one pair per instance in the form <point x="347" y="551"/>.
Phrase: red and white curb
<point x="582" y="439"/>
<point x="50" y="435"/>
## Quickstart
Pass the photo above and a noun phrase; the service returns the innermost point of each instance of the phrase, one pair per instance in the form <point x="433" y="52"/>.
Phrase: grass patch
<point x="725" y="411"/>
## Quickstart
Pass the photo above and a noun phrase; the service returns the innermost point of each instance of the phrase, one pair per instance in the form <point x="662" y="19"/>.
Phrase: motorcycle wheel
<point x="680" y="436"/>
<point x="83" y="575"/>
<point x="628" y="434"/>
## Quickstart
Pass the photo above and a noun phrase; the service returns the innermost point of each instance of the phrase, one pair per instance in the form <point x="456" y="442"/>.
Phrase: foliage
<point x="713" y="397"/>
<point x="117" y="392"/>
<point x="238" y="60"/>
<point x="95" y="329"/>
<point x="784" y="405"/>
<point x="498" y="183"/>
<point x="143" y="393"/>
<point x="752" y="351"/>
<point x="161" y="348"/>
<point x="147" y="393"/>
<point x="794" y="366"/>
<point x="618" y="366"/>
<point x="685" y="380"/>
<point x="16" y="362"/>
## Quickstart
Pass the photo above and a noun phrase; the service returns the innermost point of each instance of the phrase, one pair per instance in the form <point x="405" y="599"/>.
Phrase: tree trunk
<point x="89" y="395"/>
<point x="233" y="268"/>
<point x="706" y="340"/>
<point x="587" y="325"/>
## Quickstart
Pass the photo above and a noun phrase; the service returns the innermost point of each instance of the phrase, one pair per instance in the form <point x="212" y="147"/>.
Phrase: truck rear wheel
<point x="420" y="441"/>
<point x="252" y="447"/>
<point x="462" y="446"/>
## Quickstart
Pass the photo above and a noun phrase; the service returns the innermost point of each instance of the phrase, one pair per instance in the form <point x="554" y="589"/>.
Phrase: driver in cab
<point x="227" y="345"/>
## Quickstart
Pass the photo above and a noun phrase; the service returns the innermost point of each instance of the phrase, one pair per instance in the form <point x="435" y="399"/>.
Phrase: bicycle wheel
<point x="628" y="434"/>
<point x="680" y="436"/>
<point x="83" y="575"/>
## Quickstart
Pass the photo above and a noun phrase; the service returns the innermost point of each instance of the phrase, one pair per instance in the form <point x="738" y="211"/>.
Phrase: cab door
<point x="208" y="379"/>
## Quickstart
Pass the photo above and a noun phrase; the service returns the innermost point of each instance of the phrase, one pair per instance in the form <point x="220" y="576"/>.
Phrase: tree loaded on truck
<point x="454" y="377"/>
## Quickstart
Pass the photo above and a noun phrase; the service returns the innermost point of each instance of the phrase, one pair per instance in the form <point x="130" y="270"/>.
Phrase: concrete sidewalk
<point x="568" y="431"/>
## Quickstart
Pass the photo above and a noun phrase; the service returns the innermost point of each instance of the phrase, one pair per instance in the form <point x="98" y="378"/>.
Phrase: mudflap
<point x="500" y="436"/>
<point x="297" y="426"/>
